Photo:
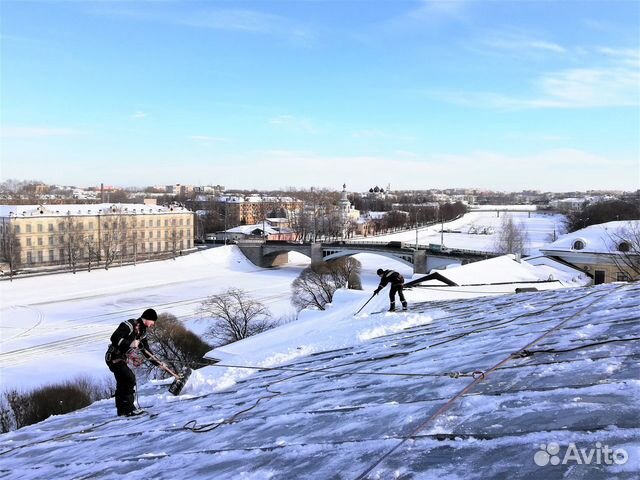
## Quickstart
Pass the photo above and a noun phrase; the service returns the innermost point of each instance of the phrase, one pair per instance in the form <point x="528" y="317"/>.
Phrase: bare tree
<point x="174" y="344"/>
<point x="317" y="284"/>
<point x="114" y="235"/>
<point x="72" y="240"/>
<point x="513" y="238"/>
<point x="601" y="212"/>
<point x="236" y="316"/>
<point x="312" y="289"/>
<point x="11" y="251"/>
<point x="345" y="272"/>
<point x="626" y="247"/>
<point x="92" y="250"/>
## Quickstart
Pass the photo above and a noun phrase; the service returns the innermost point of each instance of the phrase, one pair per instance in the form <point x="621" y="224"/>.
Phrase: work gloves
<point x="376" y="291"/>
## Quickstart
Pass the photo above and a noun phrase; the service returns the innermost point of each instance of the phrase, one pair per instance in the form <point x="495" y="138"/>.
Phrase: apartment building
<point x="46" y="235"/>
<point x="251" y="209"/>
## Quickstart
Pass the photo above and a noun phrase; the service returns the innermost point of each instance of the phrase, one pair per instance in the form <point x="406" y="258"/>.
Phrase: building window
<point x="28" y="228"/>
<point x="158" y="246"/>
<point x="40" y="243"/>
<point x="578" y="245"/>
<point x="40" y="228"/>
<point x="51" y="257"/>
<point x="29" y="242"/>
<point x="40" y="257"/>
<point x="50" y="240"/>
<point x="622" y="277"/>
<point x="51" y="227"/>
<point x="17" y="229"/>
<point x="29" y="258"/>
<point x="624" y="247"/>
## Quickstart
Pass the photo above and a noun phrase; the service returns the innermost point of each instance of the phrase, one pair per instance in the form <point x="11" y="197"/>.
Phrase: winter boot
<point x="392" y="307"/>
<point x="404" y="306"/>
<point x="135" y="413"/>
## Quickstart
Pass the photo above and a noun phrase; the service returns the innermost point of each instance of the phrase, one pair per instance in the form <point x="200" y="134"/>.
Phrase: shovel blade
<point x="178" y="384"/>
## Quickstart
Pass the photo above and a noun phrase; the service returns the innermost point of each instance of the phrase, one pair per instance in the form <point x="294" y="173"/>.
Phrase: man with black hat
<point x="130" y="334"/>
<point x="397" y="284"/>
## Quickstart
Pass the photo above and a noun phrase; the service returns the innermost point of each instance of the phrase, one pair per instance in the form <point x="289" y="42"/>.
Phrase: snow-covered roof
<point x="601" y="238"/>
<point x="85" y="209"/>
<point x="483" y="388"/>
<point x="255" y="199"/>
<point x="506" y="269"/>
<point x="249" y="229"/>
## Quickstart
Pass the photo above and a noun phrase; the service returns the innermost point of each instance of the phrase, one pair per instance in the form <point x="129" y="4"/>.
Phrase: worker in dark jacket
<point x="397" y="284"/>
<point x="131" y="334"/>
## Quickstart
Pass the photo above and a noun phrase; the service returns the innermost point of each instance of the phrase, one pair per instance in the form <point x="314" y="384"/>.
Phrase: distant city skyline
<point x="499" y="95"/>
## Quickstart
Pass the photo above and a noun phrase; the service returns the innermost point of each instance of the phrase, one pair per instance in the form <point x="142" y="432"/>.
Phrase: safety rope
<point x="453" y="374"/>
<point x="527" y="353"/>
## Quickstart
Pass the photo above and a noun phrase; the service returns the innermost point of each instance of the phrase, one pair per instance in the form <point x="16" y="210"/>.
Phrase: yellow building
<point x="35" y="236"/>
<point x="607" y="252"/>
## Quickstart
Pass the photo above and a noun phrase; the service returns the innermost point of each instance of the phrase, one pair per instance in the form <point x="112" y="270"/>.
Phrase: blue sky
<point x="503" y="95"/>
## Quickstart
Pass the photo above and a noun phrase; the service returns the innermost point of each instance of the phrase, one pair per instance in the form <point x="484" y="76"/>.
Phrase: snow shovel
<point x="365" y="304"/>
<point x="180" y="380"/>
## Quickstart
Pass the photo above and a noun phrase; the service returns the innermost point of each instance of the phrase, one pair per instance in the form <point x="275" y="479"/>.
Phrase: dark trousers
<point x="392" y="295"/>
<point x="125" y="386"/>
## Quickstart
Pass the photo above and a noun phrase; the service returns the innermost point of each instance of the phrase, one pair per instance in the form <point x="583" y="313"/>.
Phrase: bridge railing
<point x="411" y="246"/>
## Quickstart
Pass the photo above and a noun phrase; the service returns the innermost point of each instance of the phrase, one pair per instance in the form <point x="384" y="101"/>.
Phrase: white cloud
<point x="293" y="123"/>
<point x="236" y="20"/>
<point x="616" y="83"/>
<point x="250" y="21"/>
<point x="139" y="114"/>
<point x="521" y="43"/>
<point x="34" y="132"/>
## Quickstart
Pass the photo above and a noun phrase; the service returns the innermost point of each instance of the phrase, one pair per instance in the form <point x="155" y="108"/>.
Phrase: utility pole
<point x="226" y="203"/>
<point x="264" y="236"/>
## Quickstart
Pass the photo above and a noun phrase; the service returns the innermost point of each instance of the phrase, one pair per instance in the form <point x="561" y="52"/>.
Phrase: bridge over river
<point x="422" y="258"/>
